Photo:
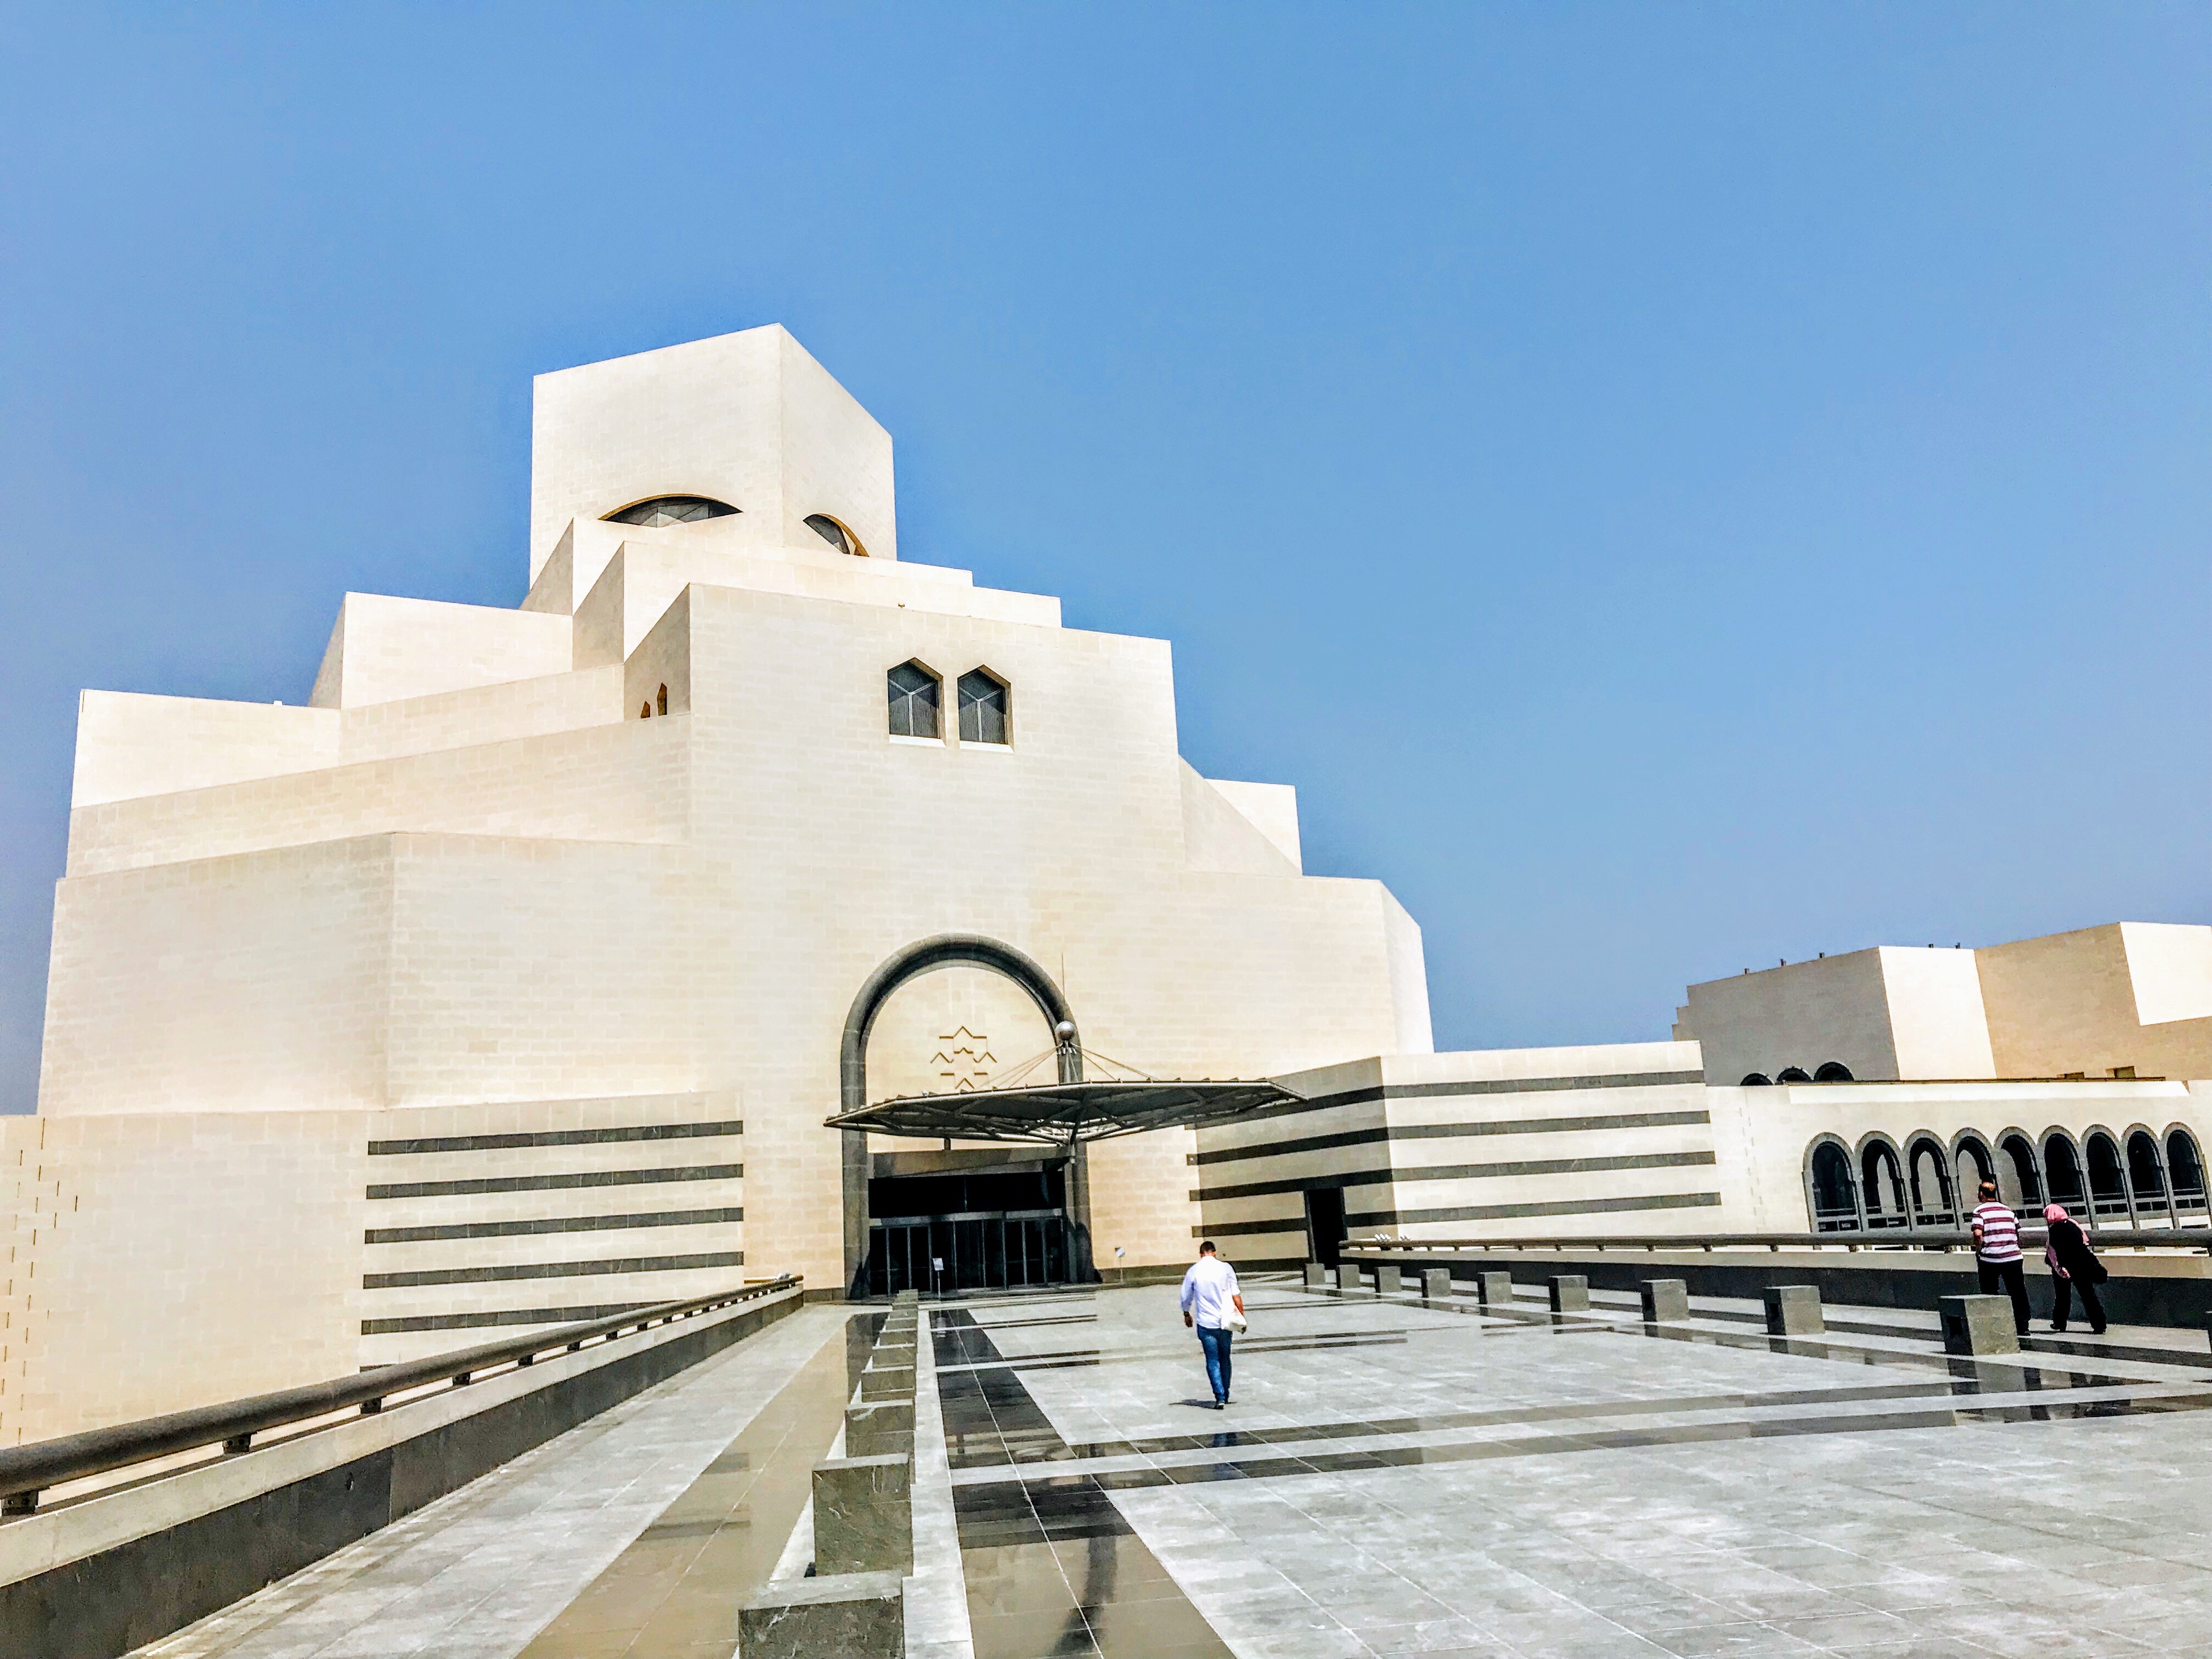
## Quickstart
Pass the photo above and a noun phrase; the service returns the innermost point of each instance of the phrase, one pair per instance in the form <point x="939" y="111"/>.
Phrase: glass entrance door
<point x="940" y="1254"/>
<point x="981" y="1229"/>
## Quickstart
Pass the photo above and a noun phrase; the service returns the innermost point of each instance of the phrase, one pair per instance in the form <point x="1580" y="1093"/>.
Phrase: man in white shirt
<point x="1210" y="1301"/>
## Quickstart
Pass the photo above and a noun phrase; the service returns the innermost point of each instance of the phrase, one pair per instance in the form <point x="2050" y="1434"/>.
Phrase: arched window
<point x="2146" y="1179"/>
<point x="1930" y="1184"/>
<point x="983" y="707"/>
<point x="645" y="711"/>
<point x="914" y="693"/>
<point x="1792" y="1074"/>
<point x="1883" y="1183"/>
<point x="1756" y="1080"/>
<point x="1971" y="1165"/>
<point x="674" y="509"/>
<point x="835" y="534"/>
<point x="660" y="702"/>
<point x="2018" y="1183"/>
<point x="2108" y="1186"/>
<point x="2064" y="1165"/>
<point x="1834" y="1071"/>
<point x="1835" y="1203"/>
<point x="2184" y="1168"/>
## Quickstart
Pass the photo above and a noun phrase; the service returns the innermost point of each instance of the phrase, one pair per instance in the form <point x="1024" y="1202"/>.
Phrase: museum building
<point x="750" y="899"/>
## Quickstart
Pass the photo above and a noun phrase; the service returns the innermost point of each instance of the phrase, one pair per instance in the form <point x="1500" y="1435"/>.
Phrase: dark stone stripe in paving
<point x="988" y="1502"/>
<point x="1051" y="1570"/>
<point x="2096" y="1348"/>
<point x="1064" y="1359"/>
<point x="1232" y="1439"/>
<point x="1624" y="1320"/>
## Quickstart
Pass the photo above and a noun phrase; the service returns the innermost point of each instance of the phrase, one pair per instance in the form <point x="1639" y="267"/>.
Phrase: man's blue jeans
<point x="1216" y="1343"/>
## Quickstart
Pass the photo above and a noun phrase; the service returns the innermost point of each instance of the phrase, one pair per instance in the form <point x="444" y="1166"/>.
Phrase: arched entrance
<point x="1060" y="1255"/>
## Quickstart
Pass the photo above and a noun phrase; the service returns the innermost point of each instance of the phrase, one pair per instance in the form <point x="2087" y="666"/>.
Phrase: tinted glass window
<point x="673" y="510"/>
<point x="913" y="700"/>
<point x="982" y="708"/>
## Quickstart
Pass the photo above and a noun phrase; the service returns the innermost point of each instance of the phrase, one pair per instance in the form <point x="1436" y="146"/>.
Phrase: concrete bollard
<point x="1494" y="1289"/>
<point x="1435" y="1284"/>
<point x="1570" y="1293"/>
<point x="1390" y="1279"/>
<point x="1665" y="1301"/>
<point x="1978" y="1324"/>
<point x="1347" y="1277"/>
<point x="857" y="1615"/>
<point x="864" y="1515"/>
<point x="879" y="1431"/>
<point x="1316" y="1276"/>
<point x="887" y="1383"/>
<point x="1793" y="1311"/>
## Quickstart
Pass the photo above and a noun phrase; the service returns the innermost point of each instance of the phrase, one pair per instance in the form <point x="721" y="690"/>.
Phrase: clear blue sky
<point x="1675" y="487"/>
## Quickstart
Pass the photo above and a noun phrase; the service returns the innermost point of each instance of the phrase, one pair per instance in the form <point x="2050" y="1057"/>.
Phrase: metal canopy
<point x="1062" y="1113"/>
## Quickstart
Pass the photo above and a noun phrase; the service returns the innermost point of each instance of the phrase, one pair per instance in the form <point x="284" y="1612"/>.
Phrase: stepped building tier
<point x="512" y="978"/>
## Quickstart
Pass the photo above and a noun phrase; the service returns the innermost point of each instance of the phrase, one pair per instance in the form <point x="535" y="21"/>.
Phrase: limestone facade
<point x="430" y="977"/>
<point x="2130" y="999"/>
<point x="1627" y="1139"/>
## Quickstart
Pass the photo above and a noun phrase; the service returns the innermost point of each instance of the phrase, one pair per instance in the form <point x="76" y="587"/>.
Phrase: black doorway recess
<point x="1325" y="1224"/>
<point x="990" y="1231"/>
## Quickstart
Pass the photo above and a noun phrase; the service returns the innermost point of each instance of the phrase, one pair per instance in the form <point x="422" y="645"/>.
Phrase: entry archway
<point x="923" y="956"/>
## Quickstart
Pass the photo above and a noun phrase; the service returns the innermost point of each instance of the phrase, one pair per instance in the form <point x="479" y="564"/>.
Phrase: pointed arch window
<point x="915" y="694"/>
<point x="983" y="710"/>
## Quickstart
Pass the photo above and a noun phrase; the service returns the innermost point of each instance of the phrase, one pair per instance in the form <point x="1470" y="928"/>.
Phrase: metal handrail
<point x="1938" y="1240"/>
<point x="28" y="1471"/>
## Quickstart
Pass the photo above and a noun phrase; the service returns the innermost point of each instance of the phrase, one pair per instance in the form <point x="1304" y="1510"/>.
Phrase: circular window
<point x="673" y="510"/>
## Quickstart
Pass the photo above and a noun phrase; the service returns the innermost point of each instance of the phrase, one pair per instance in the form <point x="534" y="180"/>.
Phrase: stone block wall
<point x="155" y="1262"/>
<point x="1548" y="1141"/>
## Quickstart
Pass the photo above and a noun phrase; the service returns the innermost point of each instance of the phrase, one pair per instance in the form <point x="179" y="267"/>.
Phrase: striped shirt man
<point x="1996" y="1231"/>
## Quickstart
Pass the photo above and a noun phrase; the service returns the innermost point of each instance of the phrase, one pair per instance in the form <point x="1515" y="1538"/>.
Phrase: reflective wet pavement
<point x="1395" y="1477"/>
<point x="1399" y="1478"/>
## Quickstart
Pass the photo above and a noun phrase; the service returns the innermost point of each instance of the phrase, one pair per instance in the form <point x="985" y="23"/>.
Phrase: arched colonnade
<point x="2136" y="1178"/>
